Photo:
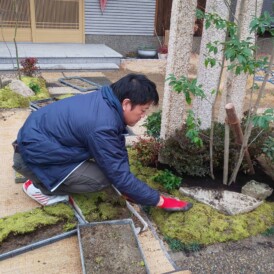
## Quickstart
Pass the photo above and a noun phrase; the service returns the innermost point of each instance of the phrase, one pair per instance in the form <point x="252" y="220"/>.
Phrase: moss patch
<point x="103" y="205"/>
<point x="203" y="224"/>
<point x="26" y="222"/>
<point x="10" y="99"/>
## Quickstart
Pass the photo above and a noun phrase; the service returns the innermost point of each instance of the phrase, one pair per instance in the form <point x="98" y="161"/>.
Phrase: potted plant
<point x="162" y="52"/>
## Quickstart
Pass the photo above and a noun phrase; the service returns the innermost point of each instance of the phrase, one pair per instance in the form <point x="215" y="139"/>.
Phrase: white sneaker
<point x="41" y="198"/>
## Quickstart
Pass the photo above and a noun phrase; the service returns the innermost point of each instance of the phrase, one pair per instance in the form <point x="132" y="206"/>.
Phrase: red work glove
<point x="172" y="204"/>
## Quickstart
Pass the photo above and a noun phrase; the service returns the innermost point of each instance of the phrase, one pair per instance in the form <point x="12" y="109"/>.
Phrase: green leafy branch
<point x="264" y="120"/>
<point x="262" y="24"/>
<point x="187" y="86"/>
<point x="239" y="52"/>
<point x="192" y="129"/>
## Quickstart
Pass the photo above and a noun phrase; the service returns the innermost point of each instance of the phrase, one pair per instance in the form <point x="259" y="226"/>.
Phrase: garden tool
<point x="134" y="212"/>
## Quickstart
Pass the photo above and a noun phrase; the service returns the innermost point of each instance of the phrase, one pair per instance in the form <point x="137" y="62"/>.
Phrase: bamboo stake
<point x="234" y="124"/>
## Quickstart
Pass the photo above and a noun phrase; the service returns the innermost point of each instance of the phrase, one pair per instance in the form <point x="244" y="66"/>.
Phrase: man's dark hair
<point x="137" y="88"/>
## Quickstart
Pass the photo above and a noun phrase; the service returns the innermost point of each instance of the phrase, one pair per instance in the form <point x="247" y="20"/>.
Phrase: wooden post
<point x="234" y="124"/>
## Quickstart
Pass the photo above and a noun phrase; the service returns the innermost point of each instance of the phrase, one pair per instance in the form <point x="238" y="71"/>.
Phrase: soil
<point x="14" y="242"/>
<point x="110" y="248"/>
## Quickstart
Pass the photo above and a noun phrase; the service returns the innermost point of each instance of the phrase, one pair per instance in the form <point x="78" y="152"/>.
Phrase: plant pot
<point x="110" y="247"/>
<point x="162" y="56"/>
<point x="147" y="53"/>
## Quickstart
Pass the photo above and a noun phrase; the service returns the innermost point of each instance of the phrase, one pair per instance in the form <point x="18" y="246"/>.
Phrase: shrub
<point x="153" y="124"/>
<point x="147" y="150"/>
<point x="186" y="158"/>
<point x="29" y="66"/>
<point x="168" y="180"/>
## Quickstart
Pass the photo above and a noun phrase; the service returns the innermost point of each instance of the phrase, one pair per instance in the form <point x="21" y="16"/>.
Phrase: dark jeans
<point x="86" y="178"/>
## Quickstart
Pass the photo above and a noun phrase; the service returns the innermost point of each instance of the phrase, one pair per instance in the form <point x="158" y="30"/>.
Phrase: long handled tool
<point x="133" y="211"/>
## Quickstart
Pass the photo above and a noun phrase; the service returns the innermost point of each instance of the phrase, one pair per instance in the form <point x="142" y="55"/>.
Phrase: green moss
<point x="203" y="224"/>
<point x="26" y="222"/>
<point x="107" y="211"/>
<point x="103" y="205"/>
<point x="10" y="99"/>
<point x="60" y="210"/>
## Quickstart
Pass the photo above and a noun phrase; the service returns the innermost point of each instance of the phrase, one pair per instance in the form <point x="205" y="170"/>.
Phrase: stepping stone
<point x="227" y="202"/>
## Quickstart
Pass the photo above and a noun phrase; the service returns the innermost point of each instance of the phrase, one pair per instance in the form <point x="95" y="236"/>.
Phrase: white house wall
<point x="120" y="17"/>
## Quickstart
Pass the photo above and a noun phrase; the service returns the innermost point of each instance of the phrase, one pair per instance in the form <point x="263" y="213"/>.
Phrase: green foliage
<point x="268" y="148"/>
<point x="192" y="129"/>
<point x="264" y="120"/>
<point x="187" y="86"/>
<point x="177" y="245"/>
<point x="239" y="52"/>
<point x="147" y="150"/>
<point x="153" y="124"/>
<point x="168" y="180"/>
<point x="189" y="159"/>
<point x="262" y="24"/>
<point x="269" y="232"/>
<point x="34" y="87"/>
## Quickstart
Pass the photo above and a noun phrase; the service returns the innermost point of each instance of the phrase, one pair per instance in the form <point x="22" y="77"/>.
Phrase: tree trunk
<point x="179" y="51"/>
<point x="235" y="126"/>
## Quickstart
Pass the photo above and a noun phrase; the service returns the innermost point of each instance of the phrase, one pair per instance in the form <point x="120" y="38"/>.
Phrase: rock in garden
<point x="227" y="202"/>
<point x="5" y="82"/>
<point x="257" y="190"/>
<point x="21" y="88"/>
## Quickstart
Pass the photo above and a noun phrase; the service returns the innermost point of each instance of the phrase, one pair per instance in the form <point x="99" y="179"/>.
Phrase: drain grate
<point x="79" y="83"/>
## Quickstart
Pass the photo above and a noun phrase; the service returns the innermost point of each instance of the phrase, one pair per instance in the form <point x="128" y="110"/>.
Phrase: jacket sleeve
<point x="108" y="150"/>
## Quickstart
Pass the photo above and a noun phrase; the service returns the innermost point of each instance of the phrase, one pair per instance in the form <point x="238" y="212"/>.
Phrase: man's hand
<point x="172" y="204"/>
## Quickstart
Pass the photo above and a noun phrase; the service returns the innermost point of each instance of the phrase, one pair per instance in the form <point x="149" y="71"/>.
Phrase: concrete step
<point x="68" y="66"/>
<point x="61" y="56"/>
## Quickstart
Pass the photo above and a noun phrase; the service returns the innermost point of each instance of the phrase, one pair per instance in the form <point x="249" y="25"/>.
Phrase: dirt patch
<point x="110" y="248"/>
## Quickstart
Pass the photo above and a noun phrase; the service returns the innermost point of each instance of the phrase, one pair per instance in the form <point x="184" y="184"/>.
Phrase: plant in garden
<point x="189" y="89"/>
<point x="147" y="150"/>
<point x="268" y="148"/>
<point x="29" y="66"/>
<point x="168" y="180"/>
<point x="34" y="87"/>
<point x="153" y="124"/>
<point x="177" y="245"/>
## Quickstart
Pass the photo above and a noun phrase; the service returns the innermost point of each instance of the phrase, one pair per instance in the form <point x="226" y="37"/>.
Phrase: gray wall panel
<point x="121" y="17"/>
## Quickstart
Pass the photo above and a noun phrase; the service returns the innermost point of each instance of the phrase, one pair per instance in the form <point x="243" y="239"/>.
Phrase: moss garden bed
<point x="10" y="99"/>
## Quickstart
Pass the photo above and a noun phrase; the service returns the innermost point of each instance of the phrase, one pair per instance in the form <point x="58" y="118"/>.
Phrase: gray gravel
<point x="254" y="255"/>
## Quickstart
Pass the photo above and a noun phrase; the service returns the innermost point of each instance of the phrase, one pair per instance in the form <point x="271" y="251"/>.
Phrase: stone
<point x="21" y="88"/>
<point x="257" y="190"/>
<point x="5" y="82"/>
<point x="227" y="202"/>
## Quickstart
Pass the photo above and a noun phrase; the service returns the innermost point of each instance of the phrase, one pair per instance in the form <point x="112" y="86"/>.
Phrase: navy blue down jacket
<point x="55" y="139"/>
